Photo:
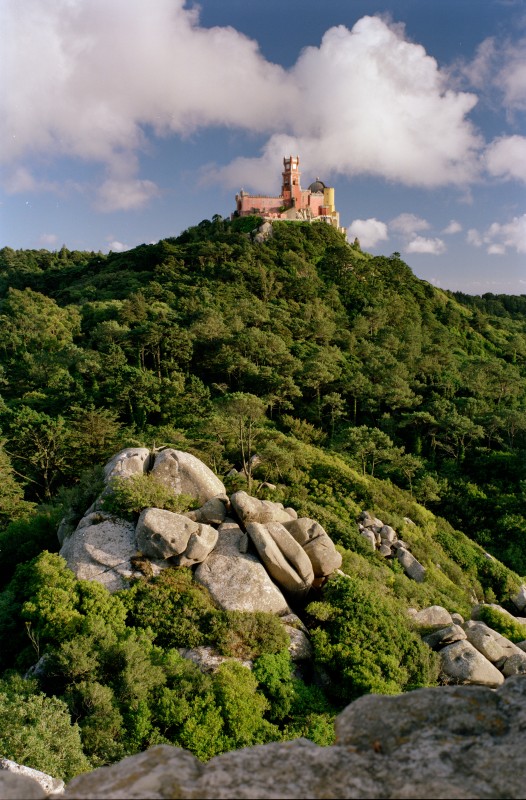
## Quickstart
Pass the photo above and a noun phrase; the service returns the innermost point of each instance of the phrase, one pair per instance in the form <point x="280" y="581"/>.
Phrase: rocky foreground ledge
<point x="448" y="742"/>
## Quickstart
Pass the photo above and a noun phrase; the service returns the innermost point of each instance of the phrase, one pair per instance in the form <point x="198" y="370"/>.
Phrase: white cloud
<point x="512" y="76"/>
<point x="118" y="247"/>
<point x="501" y="237"/>
<point x="408" y="224"/>
<point x="93" y="80"/>
<point x="47" y="239"/>
<point x="125" y="194"/>
<point x="369" y="231"/>
<point x="498" y="70"/>
<point x="420" y="244"/>
<point x="452" y="227"/>
<point x="506" y="157"/>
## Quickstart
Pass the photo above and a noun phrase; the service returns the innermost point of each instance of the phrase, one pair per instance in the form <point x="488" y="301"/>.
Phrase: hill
<point x="300" y="369"/>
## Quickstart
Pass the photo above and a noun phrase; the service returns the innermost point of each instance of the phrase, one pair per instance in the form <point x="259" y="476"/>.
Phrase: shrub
<point x="500" y="622"/>
<point x="128" y="496"/>
<point x="364" y="642"/>
<point x="245" y="634"/>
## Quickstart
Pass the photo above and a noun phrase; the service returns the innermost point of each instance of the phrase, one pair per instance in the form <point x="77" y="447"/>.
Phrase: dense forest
<point x="358" y="386"/>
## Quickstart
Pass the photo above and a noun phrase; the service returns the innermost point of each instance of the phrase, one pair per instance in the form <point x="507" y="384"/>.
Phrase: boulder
<point x="412" y="568"/>
<point x="251" y="509"/>
<point x="514" y="664"/>
<point x="236" y="579"/>
<point x="47" y="783"/>
<point x="432" y="617"/>
<point x="186" y="474"/>
<point x="208" y="659"/>
<point x="300" y="648"/>
<point x="444" y="636"/>
<point x="131" y="461"/>
<point x="100" y="549"/>
<point x="212" y="513"/>
<point x="164" y="534"/>
<point x="285" y="560"/>
<point x="522" y="645"/>
<point x="20" y="787"/>
<point x="371" y="538"/>
<point x="519" y="599"/>
<point x="317" y="544"/>
<point x="457" y="618"/>
<point x="448" y="742"/>
<point x="385" y="550"/>
<point x="388" y="534"/>
<point x="464" y="664"/>
<point x="493" y="646"/>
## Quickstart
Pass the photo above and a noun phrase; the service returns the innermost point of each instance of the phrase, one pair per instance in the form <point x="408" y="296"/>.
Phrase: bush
<point x="245" y="634"/>
<point x="128" y="496"/>
<point x="500" y="622"/>
<point x="364" y="642"/>
<point x="37" y="731"/>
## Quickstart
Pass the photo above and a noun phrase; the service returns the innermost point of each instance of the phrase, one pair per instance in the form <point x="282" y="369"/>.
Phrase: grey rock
<point x="444" y="636"/>
<point x="20" y="787"/>
<point x="159" y="773"/>
<point x="369" y="535"/>
<point x="412" y="568"/>
<point x="293" y="514"/>
<point x="449" y="742"/>
<point x="317" y="544"/>
<point x="163" y="534"/>
<point x="493" y="646"/>
<point x="101" y="550"/>
<point x="457" y="618"/>
<point x="519" y="599"/>
<point x="408" y="521"/>
<point x="285" y="560"/>
<point x="433" y="616"/>
<point x="464" y="664"/>
<point x="251" y="509"/>
<point x="212" y="513"/>
<point x="514" y="664"/>
<point x="521" y="645"/>
<point x="200" y="544"/>
<point x="388" y="534"/>
<point x="300" y="648"/>
<point x="237" y="580"/>
<point x="131" y="461"/>
<point x="186" y="474"/>
<point x="47" y="783"/>
<point x="476" y="610"/>
<point x="385" y="550"/>
<point x="400" y="544"/>
<point x="209" y="660"/>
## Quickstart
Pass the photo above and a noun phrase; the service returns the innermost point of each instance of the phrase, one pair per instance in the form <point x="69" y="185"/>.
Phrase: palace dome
<point x="317" y="186"/>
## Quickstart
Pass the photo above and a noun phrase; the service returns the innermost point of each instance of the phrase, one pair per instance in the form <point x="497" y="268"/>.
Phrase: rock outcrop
<point x="295" y="552"/>
<point x="455" y="741"/>
<point x="384" y="540"/>
<point x="237" y="580"/>
<point x="471" y="652"/>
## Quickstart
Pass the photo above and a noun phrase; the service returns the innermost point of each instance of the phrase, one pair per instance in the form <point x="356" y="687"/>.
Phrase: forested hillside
<point x="357" y="385"/>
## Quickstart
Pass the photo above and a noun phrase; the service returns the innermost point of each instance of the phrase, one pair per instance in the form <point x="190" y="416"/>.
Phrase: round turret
<point x="317" y="186"/>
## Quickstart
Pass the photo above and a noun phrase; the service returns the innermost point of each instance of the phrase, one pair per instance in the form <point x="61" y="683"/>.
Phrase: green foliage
<point x="37" y="731"/>
<point x="247" y="635"/>
<point x="365" y="642"/>
<point x="26" y="538"/>
<point x="178" y="610"/>
<point x="128" y="496"/>
<point x="502" y="623"/>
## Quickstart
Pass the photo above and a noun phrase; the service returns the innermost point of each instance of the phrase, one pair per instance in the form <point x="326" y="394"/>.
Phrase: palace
<point x="294" y="203"/>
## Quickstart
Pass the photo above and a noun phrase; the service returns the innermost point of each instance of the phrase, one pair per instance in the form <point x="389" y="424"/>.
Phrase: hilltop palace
<point x="294" y="203"/>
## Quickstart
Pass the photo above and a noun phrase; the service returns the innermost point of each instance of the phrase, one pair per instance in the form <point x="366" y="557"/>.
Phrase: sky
<point x="127" y="121"/>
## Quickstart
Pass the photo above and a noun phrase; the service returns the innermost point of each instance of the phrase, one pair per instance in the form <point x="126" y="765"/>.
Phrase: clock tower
<point x="291" y="189"/>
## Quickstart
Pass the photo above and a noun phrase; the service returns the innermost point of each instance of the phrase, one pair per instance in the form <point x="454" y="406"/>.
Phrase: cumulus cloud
<point x="118" y="247"/>
<point x="408" y="224"/>
<point x="47" y="239"/>
<point x="369" y="231"/>
<point x="452" y="227"/>
<point x="421" y="244"/>
<point x="94" y="80"/>
<point x="498" y="71"/>
<point x="499" y="238"/>
<point x="506" y="157"/>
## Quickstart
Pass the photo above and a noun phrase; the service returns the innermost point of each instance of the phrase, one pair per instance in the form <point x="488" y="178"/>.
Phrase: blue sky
<point x="126" y="121"/>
